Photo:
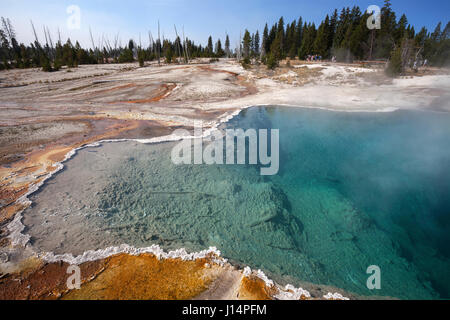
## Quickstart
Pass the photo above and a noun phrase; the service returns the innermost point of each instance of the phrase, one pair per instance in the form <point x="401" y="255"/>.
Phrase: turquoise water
<point x="353" y="190"/>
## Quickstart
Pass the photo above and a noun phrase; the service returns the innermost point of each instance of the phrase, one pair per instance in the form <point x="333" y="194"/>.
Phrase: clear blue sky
<point x="200" y="18"/>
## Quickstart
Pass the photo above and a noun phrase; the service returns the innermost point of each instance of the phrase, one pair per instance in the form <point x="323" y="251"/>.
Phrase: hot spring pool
<point x="353" y="190"/>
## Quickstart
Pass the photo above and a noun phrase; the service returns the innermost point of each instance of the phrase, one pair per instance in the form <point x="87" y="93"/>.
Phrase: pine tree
<point x="246" y="43"/>
<point x="395" y="63"/>
<point x="252" y="45"/>
<point x="332" y="28"/>
<point x="141" y="57"/>
<point x="271" y="61"/>
<point x="25" y="59"/>
<point x="341" y="28"/>
<point x="420" y="38"/>
<point x="385" y="41"/>
<point x="400" y="32"/>
<point x="435" y="45"/>
<point x="446" y="33"/>
<point x="281" y="37"/>
<point x="359" y="43"/>
<point x="126" y="55"/>
<point x="298" y="35"/>
<point x="209" y="48"/>
<point x="411" y="32"/>
<point x="265" y="39"/>
<point x="272" y="36"/>
<point x="68" y="55"/>
<point x="219" y="51"/>
<point x="227" y="46"/>
<point x="131" y="44"/>
<point x="275" y="48"/>
<point x="309" y="37"/>
<point x="435" y="36"/>
<point x="322" y="38"/>
<point x="168" y="51"/>
<point x="256" y="45"/>
<point x="13" y="48"/>
<point x="442" y="56"/>
<point x="45" y="63"/>
<point x="288" y="37"/>
<point x="4" y="50"/>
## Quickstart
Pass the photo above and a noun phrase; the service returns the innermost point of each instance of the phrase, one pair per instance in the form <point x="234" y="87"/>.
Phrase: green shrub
<point x="246" y="63"/>
<point x="57" y="65"/>
<point x="264" y="59"/>
<point x="46" y="65"/>
<point x="395" y="65"/>
<point x="141" y="59"/>
<point x="271" y="62"/>
<point x="126" y="56"/>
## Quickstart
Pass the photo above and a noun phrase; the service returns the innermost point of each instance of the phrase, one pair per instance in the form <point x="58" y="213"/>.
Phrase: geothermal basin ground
<point x="44" y="118"/>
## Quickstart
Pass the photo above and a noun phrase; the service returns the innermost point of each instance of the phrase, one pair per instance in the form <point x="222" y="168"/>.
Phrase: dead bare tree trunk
<point x="102" y="41"/>
<point x="116" y="42"/>
<point x="152" y="45"/>
<point x="93" y="45"/>
<point x="406" y="53"/>
<point x="46" y="39"/>
<point x="185" y="48"/>
<point x="178" y="40"/>
<point x="239" y="47"/>
<point x="159" y="45"/>
<point x="35" y="34"/>
<point x="371" y="44"/>
<point x="150" y="41"/>
<point x="52" y="49"/>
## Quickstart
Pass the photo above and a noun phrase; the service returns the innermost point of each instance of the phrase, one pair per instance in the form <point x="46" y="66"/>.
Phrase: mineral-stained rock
<point x="46" y="282"/>
<point x="145" y="278"/>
